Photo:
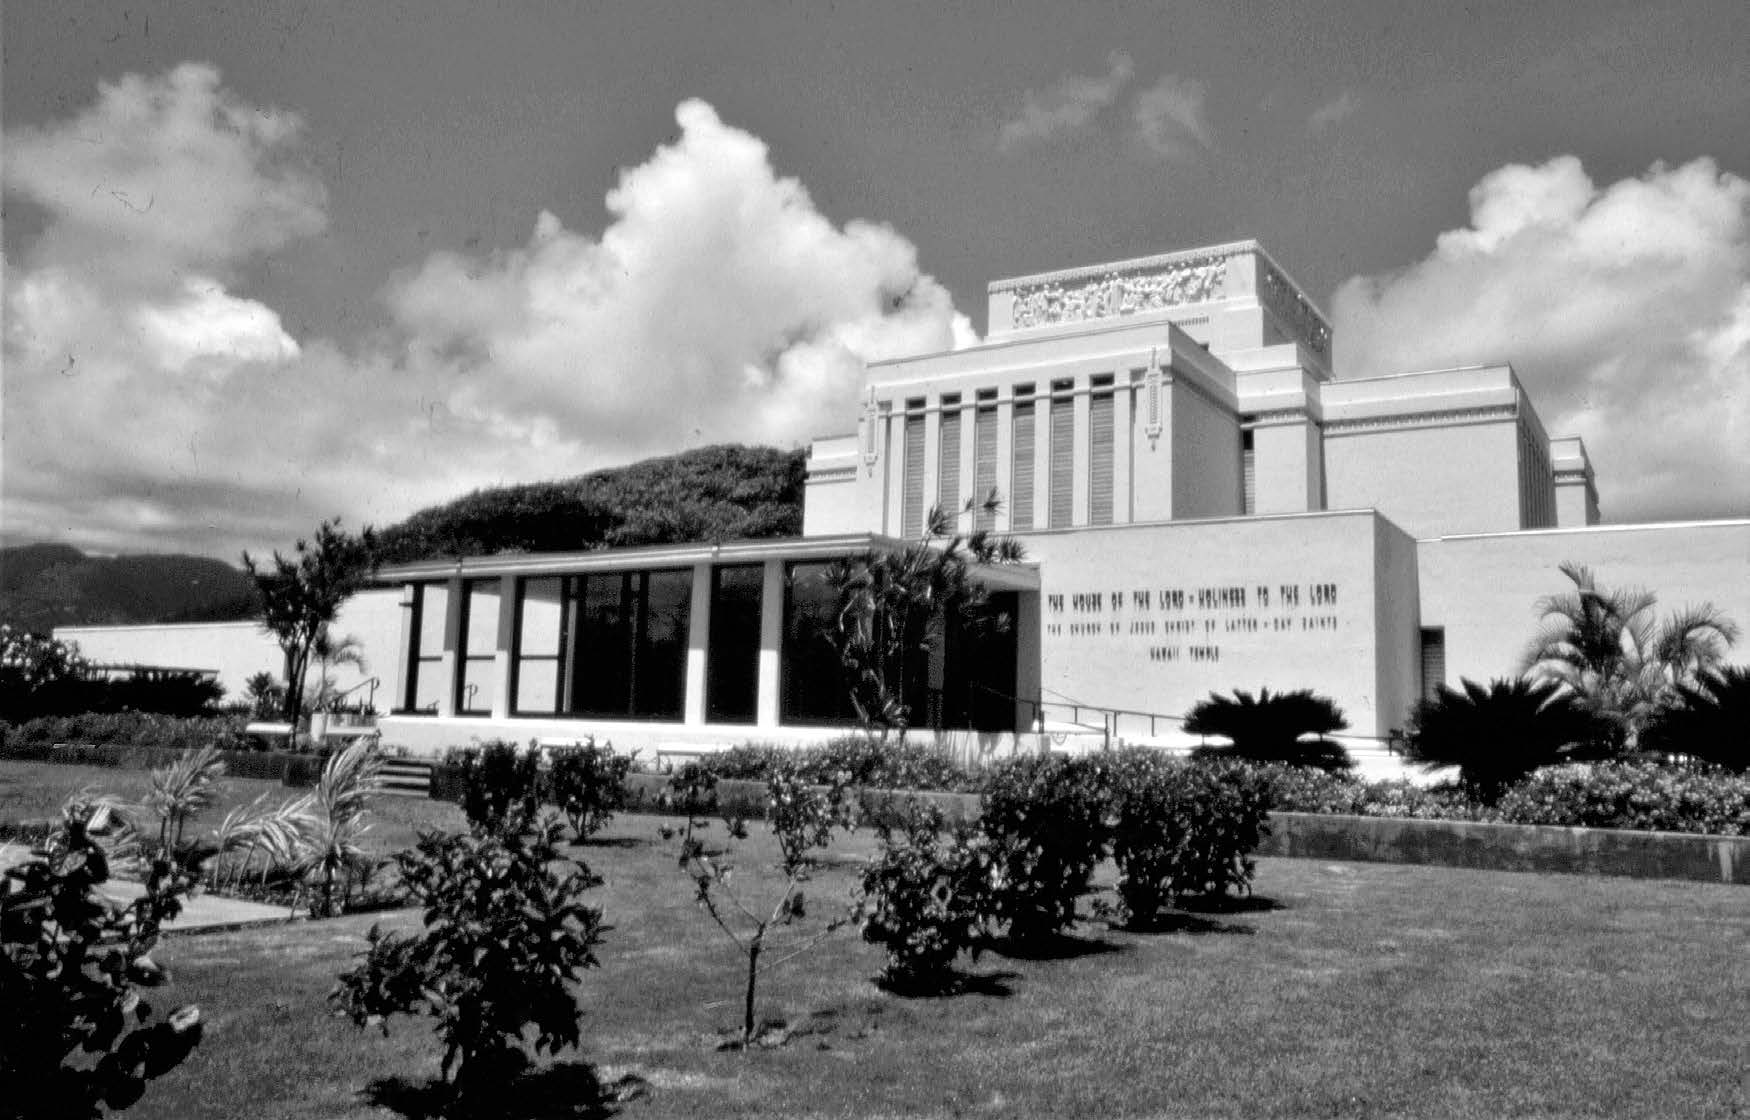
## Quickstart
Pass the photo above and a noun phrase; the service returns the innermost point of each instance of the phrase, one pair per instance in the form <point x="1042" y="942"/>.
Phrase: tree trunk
<point x="753" y="964"/>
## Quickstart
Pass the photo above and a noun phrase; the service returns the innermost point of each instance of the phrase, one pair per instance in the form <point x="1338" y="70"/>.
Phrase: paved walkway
<point x="201" y="912"/>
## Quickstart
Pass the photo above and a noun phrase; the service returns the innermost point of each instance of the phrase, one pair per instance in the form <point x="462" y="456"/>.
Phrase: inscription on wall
<point x="1186" y="624"/>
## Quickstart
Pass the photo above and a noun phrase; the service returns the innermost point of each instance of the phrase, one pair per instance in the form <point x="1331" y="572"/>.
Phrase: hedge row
<point x="131" y="729"/>
<point x="273" y="766"/>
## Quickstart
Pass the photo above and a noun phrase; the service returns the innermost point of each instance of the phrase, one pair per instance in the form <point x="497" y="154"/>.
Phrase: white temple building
<point x="1202" y="505"/>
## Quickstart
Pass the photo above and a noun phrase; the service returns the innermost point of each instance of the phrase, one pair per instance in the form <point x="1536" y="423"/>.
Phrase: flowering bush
<point x="128" y="729"/>
<point x="1044" y="819"/>
<point x="1183" y="829"/>
<point x="1632" y="795"/>
<point x="922" y="899"/>
<point x="857" y="760"/>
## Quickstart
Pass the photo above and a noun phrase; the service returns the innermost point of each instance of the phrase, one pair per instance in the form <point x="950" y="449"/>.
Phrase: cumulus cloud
<point x="1071" y="103"/>
<point x="1625" y="310"/>
<point x="1335" y="111"/>
<point x="1170" y="120"/>
<point x="154" y="404"/>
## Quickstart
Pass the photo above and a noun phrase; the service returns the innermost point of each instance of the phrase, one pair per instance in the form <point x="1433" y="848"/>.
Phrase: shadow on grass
<point x="562" y="1091"/>
<point x="1227" y="904"/>
<point x="1058" y="947"/>
<point x="611" y="842"/>
<point x="1177" y="921"/>
<point x="993" y="984"/>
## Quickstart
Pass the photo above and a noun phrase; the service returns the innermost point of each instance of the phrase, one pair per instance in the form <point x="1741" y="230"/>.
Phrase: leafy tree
<point x="264" y="693"/>
<point x="301" y="594"/>
<point x="1498" y="733"/>
<point x="1708" y="720"/>
<point x="802" y="820"/>
<point x="507" y="933"/>
<point x="1272" y="728"/>
<point x="587" y="782"/>
<point x="723" y="492"/>
<point x="894" y="607"/>
<point x="69" y="971"/>
<point x="1609" y="648"/>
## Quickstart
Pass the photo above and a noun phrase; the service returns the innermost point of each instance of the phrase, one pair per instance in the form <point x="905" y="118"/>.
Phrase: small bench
<point x="267" y="730"/>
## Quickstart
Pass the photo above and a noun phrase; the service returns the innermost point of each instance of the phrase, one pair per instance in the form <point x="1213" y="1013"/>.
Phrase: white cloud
<point x="152" y="406"/>
<point x="1625" y="310"/>
<point x="1069" y="104"/>
<point x="1170" y="120"/>
<point x="1335" y="111"/>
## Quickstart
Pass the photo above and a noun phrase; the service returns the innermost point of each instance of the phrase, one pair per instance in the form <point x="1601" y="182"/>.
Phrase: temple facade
<point x="1202" y="505"/>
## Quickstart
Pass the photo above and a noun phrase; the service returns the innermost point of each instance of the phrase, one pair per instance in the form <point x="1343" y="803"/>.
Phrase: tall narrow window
<point x="984" y="457"/>
<point x="732" y="658"/>
<point x="631" y="644"/>
<point x="1100" y="437"/>
<point x="538" y="668"/>
<point x="425" y="661"/>
<point x="1248" y="472"/>
<point x="1433" y="660"/>
<point x="1063" y="442"/>
<point x="911" y="514"/>
<point x="813" y="679"/>
<point x="478" y="644"/>
<point x="1021" y="471"/>
<point x="948" y="465"/>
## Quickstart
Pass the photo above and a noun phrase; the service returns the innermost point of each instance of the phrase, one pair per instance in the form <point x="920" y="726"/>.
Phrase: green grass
<point x="1367" y="990"/>
<point x="36" y="790"/>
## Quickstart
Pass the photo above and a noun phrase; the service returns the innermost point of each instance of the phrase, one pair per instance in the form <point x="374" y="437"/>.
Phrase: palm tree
<point x="181" y="791"/>
<point x="1498" y="733"/>
<point x="1709" y="720"/>
<point x="338" y="819"/>
<point x="1609" y="649"/>
<point x="1270" y="728"/>
<point x="331" y="652"/>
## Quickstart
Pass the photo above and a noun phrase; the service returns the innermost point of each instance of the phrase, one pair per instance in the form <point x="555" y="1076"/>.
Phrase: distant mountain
<point x="43" y="586"/>
<point x="719" y="493"/>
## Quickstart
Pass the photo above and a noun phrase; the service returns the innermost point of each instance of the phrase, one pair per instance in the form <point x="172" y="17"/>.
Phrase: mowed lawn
<point x="35" y="791"/>
<point x="1349" y="990"/>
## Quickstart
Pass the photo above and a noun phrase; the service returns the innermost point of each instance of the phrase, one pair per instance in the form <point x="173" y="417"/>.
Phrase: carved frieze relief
<point x="1118" y="294"/>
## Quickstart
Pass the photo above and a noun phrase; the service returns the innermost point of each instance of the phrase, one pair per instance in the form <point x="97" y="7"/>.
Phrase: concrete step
<point x="405" y="777"/>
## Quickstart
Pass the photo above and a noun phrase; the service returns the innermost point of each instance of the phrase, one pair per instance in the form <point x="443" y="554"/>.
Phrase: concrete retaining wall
<point x="1511" y="847"/>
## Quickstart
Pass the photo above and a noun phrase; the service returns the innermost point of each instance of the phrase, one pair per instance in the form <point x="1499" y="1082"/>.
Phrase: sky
<point x="275" y="262"/>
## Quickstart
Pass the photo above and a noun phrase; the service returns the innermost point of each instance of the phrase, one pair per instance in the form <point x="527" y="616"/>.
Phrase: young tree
<point x="507" y="934"/>
<point x="894" y="606"/>
<point x="802" y="819"/>
<point x="301" y="594"/>
<point x="1608" y="648"/>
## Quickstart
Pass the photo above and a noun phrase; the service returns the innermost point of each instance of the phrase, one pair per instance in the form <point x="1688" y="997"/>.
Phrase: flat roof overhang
<point x="1023" y="576"/>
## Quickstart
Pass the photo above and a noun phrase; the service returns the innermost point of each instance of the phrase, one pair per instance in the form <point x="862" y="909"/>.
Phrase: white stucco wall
<point x="1112" y="637"/>
<point x="239" y="650"/>
<point x="1430" y="480"/>
<point x="1483" y="589"/>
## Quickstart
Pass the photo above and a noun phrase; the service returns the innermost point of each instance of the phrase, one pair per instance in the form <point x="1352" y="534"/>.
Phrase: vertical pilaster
<point x="1042" y="410"/>
<point x="932" y="457"/>
<point x="698" y="644"/>
<point x="452" y="660"/>
<point x="1005" y="455"/>
<point x="1122" y="395"/>
<point x="504" y="649"/>
<point x="1081" y="457"/>
<point x="771" y="644"/>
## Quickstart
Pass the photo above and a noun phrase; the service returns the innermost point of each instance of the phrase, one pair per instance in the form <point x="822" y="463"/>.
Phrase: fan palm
<point x="1708" y="720"/>
<point x="1500" y="732"/>
<point x="1271" y="728"/>
<point x="1609" y="648"/>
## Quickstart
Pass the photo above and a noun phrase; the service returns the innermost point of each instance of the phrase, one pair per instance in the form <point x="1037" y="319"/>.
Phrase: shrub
<point x="68" y="972"/>
<point x="1632" y="795"/>
<point x="501" y="785"/>
<point x="1707" y="721"/>
<point x="506" y="935"/>
<point x="130" y="729"/>
<point x="857" y="760"/>
<point x="1498" y="733"/>
<point x="1304" y="789"/>
<point x="922" y="899"/>
<point x="1272" y="728"/>
<point x="1043" y="820"/>
<point x="1183" y="830"/>
<point x="587" y="782"/>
